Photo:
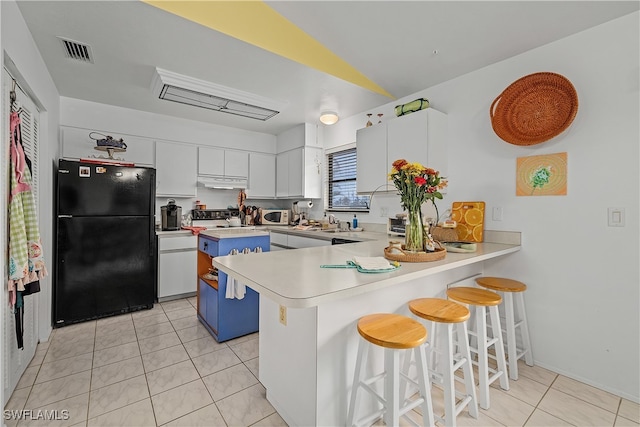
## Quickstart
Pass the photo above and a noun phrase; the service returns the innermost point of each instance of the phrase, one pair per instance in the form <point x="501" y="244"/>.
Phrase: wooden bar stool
<point x="392" y="332"/>
<point x="449" y="313"/>
<point x="509" y="289"/>
<point x="481" y="299"/>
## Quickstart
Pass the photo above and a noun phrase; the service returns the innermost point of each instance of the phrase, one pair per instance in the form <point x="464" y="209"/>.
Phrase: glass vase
<point x="414" y="232"/>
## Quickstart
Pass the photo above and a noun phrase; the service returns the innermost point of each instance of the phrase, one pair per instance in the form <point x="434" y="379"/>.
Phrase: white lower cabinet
<point x="297" y="242"/>
<point x="177" y="262"/>
<point x="291" y="241"/>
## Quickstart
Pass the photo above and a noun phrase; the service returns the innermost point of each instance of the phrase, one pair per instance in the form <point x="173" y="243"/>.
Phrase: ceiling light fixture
<point x="175" y="87"/>
<point x="329" y="117"/>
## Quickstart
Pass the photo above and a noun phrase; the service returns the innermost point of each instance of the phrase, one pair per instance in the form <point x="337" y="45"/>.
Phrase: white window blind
<point x="29" y="128"/>
<point x="341" y="182"/>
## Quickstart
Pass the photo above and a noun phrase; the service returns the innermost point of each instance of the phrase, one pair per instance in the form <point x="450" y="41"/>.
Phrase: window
<point x="341" y="182"/>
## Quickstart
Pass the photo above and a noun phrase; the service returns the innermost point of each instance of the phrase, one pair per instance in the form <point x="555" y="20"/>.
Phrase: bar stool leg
<point x="483" y="365"/>
<point x="448" y="382"/>
<point x="512" y="349"/>
<point x="499" y="346"/>
<point x="391" y="384"/>
<point x="467" y="370"/>
<point x="434" y="359"/>
<point x="425" y="386"/>
<point x="361" y="361"/>
<point x="524" y="329"/>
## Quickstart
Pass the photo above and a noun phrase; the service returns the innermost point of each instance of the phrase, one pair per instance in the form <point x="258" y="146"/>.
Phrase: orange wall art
<point x="544" y="175"/>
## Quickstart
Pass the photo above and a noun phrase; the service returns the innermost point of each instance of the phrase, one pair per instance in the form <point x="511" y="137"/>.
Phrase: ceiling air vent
<point x="199" y="93"/>
<point x="76" y="50"/>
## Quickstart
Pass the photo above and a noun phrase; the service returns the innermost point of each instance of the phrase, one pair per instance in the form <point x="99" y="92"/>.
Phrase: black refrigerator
<point x="105" y="246"/>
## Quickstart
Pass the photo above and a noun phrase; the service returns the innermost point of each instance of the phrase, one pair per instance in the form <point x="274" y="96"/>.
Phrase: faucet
<point x="332" y="219"/>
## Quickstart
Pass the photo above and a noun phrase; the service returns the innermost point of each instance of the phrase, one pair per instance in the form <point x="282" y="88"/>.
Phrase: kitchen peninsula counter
<point x="293" y="278"/>
<point x="308" y="338"/>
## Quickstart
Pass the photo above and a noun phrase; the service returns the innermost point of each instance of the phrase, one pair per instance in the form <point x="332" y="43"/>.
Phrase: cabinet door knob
<point x="206" y="245"/>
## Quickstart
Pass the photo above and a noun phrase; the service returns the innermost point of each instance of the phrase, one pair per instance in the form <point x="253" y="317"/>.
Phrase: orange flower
<point x="399" y="163"/>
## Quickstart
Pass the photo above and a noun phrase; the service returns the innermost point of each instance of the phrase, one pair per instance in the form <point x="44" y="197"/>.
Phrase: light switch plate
<point x="497" y="213"/>
<point x="616" y="217"/>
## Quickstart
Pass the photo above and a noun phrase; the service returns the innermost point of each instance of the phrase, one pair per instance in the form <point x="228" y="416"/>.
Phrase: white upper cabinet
<point x="262" y="175"/>
<point x="372" y="165"/>
<point x="417" y="137"/>
<point x="210" y="161"/>
<point x="299" y="173"/>
<point x="298" y="163"/>
<point x="236" y="163"/>
<point x="221" y="162"/>
<point x="76" y="144"/>
<point x="303" y="135"/>
<point x="176" y="173"/>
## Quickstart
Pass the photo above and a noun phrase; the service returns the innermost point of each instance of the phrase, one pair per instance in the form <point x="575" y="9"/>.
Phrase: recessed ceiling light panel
<point x="199" y="93"/>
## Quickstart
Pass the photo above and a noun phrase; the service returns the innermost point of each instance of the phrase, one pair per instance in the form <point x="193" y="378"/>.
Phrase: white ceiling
<point x="391" y="42"/>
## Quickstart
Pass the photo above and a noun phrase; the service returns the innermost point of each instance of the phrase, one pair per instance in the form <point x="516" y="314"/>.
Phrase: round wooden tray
<point x="405" y="256"/>
<point x="534" y="109"/>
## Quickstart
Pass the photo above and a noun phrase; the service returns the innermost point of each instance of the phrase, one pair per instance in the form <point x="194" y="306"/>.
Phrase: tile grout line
<point x="146" y="380"/>
<point x="93" y="356"/>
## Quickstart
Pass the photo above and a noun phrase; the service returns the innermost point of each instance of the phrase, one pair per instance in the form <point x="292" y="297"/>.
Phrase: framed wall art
<point x="544" y="175"/>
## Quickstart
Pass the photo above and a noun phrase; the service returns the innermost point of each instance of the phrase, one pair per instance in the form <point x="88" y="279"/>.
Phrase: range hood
<point x="223" y="182"/>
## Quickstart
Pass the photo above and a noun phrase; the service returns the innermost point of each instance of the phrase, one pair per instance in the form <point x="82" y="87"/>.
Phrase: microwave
<point x="275" y="217"/>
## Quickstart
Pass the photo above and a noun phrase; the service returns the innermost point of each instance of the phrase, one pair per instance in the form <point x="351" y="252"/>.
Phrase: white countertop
<point x="182" y="232"/>
<point x="234" y="232"/>
<point x="293" y="278"/>
<point x="361" y="236"/>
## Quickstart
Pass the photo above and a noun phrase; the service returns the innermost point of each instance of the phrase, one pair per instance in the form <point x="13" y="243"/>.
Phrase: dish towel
<point x="194" y="230"/>
<point x="235" y="289"/>
<point x="372" y="262"/>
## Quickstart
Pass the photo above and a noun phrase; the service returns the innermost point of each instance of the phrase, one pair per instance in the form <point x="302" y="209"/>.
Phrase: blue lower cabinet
<point x="203" y="291"/>
<point x="228" y="318"/>
<point x="237" y="317"/>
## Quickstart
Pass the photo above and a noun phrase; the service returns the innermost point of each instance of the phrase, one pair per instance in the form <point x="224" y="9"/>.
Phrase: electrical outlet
<point x="384" y="212"/>
<point x="283" y="315"/>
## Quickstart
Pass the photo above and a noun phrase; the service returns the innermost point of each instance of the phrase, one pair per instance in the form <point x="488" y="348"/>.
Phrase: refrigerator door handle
<point x="65" y="216"/>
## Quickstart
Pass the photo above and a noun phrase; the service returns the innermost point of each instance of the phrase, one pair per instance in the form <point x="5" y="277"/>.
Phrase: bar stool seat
<point x="392" y="332"/>
<point x="482" y="299"/>
<point x="448" y="313"/>
<point x="510" y="289"/>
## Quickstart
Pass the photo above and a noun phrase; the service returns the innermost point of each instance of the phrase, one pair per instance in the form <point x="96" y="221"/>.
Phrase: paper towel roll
<point x="304" y="204"/>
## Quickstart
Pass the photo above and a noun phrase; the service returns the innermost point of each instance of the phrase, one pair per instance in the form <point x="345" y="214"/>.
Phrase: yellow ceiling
<point x="256" y="23"/>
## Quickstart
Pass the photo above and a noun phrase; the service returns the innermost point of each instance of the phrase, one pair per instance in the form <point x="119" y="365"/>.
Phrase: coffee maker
<point x="171" y="216"/>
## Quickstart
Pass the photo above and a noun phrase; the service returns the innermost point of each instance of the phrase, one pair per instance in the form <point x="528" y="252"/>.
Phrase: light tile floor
<point x="160" y="367"/>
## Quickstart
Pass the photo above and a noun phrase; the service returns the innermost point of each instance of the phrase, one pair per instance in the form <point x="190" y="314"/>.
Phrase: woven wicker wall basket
<point x="534" y="109"/>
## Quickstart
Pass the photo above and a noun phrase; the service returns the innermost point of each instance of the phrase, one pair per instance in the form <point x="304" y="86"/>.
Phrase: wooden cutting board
<point x="470" y="219"/>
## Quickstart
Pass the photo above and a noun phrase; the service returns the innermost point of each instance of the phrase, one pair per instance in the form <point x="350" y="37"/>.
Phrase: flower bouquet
<point x="415" y="184"/>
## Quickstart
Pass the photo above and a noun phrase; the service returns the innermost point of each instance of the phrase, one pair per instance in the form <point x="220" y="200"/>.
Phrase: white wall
<point x="583" y="299"/>
<point x="122" y="122"/>
<point x="92" y="115"/>
<point x="22" y="57"/>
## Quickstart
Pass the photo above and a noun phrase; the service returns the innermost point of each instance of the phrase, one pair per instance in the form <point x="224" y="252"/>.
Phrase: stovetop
<point x="213" y="214"/>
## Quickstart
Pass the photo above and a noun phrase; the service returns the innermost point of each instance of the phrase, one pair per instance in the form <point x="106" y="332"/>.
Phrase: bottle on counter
<point x="355" y="221"/>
